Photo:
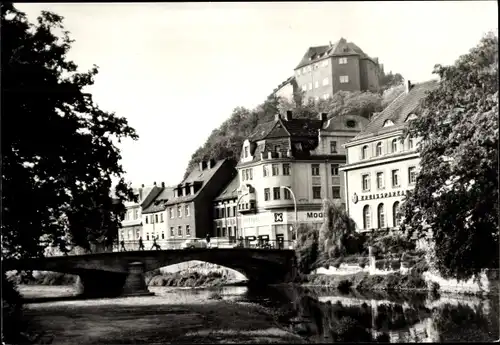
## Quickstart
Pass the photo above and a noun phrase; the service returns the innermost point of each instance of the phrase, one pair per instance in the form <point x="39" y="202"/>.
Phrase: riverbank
<point x="169" y="317"/>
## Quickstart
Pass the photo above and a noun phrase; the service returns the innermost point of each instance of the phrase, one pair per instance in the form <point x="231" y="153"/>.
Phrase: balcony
<point x="275" y="155"/>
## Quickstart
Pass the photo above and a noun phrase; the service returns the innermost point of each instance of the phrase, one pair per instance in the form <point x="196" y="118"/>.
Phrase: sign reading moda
<point x="278" y="216"/>
<point x="355" y="197"/>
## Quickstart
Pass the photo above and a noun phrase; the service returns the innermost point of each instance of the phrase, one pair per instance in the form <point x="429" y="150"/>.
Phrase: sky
<point x="177" y="70"/>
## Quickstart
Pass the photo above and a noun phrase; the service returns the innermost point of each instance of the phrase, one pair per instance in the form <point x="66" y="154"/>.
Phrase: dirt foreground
<point x="154" y="320"/>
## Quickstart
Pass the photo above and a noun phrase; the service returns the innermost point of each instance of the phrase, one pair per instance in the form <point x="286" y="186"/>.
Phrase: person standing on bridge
<point x="207" y="238"/>
<point x="122" y="245"/>
<point x="141" y="244"/>
<point x="155" y="245"/>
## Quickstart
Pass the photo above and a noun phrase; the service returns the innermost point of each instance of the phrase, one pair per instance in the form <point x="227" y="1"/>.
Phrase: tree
<point x="59" y="148"/>
<point x="307" y="248"/>
<point x="337" y="228"/>
<point x="456" y="193"/>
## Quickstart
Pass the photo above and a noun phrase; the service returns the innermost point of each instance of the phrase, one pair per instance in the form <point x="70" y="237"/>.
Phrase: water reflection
<point x="322" y="315"/>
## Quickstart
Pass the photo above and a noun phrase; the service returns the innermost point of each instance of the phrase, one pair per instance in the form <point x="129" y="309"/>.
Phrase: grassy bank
<point x="364" y="282"/>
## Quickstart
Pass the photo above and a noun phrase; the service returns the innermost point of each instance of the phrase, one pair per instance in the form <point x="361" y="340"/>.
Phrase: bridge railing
<point x="215" y="242"/>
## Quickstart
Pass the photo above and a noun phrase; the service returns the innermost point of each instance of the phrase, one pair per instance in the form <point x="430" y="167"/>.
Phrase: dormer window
<point x="246" y="151"/>
<point x="411" y="117"/>
<point x="388" y="123"/>
<point x="351" y="123"/>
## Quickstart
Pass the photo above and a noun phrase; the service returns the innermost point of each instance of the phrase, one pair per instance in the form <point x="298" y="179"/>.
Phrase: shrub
<point x="344" y="285"/>
<point x="12" y="313"/>
<point x="307" y="249"/>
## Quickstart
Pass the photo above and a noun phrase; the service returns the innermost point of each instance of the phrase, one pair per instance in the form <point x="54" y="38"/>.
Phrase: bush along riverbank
<point x="187" y="279"/>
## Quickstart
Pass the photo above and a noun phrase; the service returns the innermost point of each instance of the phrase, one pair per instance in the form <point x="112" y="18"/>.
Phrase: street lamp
<point x="237" y="211"/>
<point x="295" y="208"/>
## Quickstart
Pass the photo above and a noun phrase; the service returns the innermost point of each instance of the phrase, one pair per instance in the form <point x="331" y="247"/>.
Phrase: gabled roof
<point x="398" y="110"/>
<point x="197" y="176"/>
<point x="159" y="203"/>
<point x="320" y="52"/>
<point x="231" y="190"/>
<point x="286" y="82"/>
<point x="296" y="128"/>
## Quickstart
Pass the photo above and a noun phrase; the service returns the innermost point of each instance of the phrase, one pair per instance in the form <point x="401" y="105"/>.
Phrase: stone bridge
<point x="116" y="273"/>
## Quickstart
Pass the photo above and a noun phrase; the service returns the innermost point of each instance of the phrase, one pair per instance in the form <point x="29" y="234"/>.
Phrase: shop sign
<point x="382" y="195"/>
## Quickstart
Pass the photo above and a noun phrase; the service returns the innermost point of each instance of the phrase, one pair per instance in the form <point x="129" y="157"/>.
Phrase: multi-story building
<point x="382" y="165"/>
<point x="188" y="213"/>
<point x="283" y="160"/>
<point x="154" y="217"/>
<point x="225" y="210"/>
<point x="343" y="66"/>
<point x="132" y="225"/>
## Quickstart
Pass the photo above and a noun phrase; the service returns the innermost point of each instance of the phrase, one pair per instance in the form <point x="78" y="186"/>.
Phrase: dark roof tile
<point x="231" y="190"/>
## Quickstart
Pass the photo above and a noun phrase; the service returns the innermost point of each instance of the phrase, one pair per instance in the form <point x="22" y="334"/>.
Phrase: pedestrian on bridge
<point x="155" y="245"/>
<point x="207" y="238"/>
<point x="141" y="244"/>
<point x="122" y="245"/>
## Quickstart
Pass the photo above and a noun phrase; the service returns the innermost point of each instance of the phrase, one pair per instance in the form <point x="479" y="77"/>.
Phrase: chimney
<point x="289" y="114"/>
<point x="154" y="183"/>
<point x="277" y="117"/>
<point x="408" y="86"/>
<point x="142" y="185"/>
<point x="323" y="117"/>
<point x="331" y="45"/>
<point x="163" y="185"/>
<point x="140" y="194"/>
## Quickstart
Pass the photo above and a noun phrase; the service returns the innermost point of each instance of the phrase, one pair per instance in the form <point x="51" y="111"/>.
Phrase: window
<point x="367" y="217"/>
<point x="344" y="79"/>
<point x="350" y="123"/>
<point x="234" y="210"/>
<point x="217" y="232"/>
<point x="267" y="194"/>
<point x="388" y="123"/>
<point x="394" y="145"/>
<point x="162" y="235"/>
<point x="410" y="143"/>
<point x="179" y="211"/>
<point x="223" y="213"/>
<point x="246" y="151"/>
<point x="333" y="147"/>
<point x="161" y="217"/>
<point x="315" y="169"/>
<point x="136" y="214"/>
<point x="412" y="175"/>
<point x="335" y="192"/>
<point x="171" y="212"/>
<point x="223" y="232"/>
<point x="265" y="172"/>
<point x="335" y="169"/>
<point x="156" y="218"/>
<point x="286" y="169"/>
<point x="147" y="236"/>
<point x="366" y="182"/>
<point x="172" y="231"/>
<point x="277" y="148"/>
<point x="229" y="231"/>
<point x="342" y="61"/>
<point x="326" y="81"/>
<point x="326" y="96"/>
<point x="188" y="230"/>
<point x="276" y="193"/>
<point x="381" y="216"/>
<point x="395" y="178"/>
<point x="380" y="180"/>
<point x="152" y="219"/>
<point x="275" y="169"/>
<point x="316" y="84"/>
<point x="286" y="193"/>
<point x="186" y="210"/>
<point x="179" y="231"/>
<point x="364" y="152"/>
<point x="146" y="219"/>
<point x="316" y="192"/>
<point x="310" y="86"/>
<point x="378" y="149"/>
<point x="395" y="214"/>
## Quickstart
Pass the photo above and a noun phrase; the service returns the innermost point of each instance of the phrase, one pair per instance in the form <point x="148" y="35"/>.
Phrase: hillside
<point x="226" y="141"/>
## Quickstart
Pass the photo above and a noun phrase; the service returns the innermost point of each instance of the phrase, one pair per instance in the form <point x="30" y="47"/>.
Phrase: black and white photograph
<point x="250" y="172"/>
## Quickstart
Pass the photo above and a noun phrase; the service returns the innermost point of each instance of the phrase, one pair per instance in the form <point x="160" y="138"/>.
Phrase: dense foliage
<point x="227" y="140"/>
<point x="306" y="249"/>
<point x="59" y="151"/>
<point x="456" y="193"/>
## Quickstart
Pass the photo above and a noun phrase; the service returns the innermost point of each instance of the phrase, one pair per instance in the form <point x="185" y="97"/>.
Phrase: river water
<point x="316" y="315"/>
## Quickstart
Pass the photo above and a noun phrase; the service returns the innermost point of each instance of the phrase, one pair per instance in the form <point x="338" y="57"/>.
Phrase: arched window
<point x="364" y="152"/>
<point x="381" y="216"/>
<point x="395" y="214"/>
<point x="394" y="145"/>
<point x="366" y="217"/>
<point x="379" y="149"/>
